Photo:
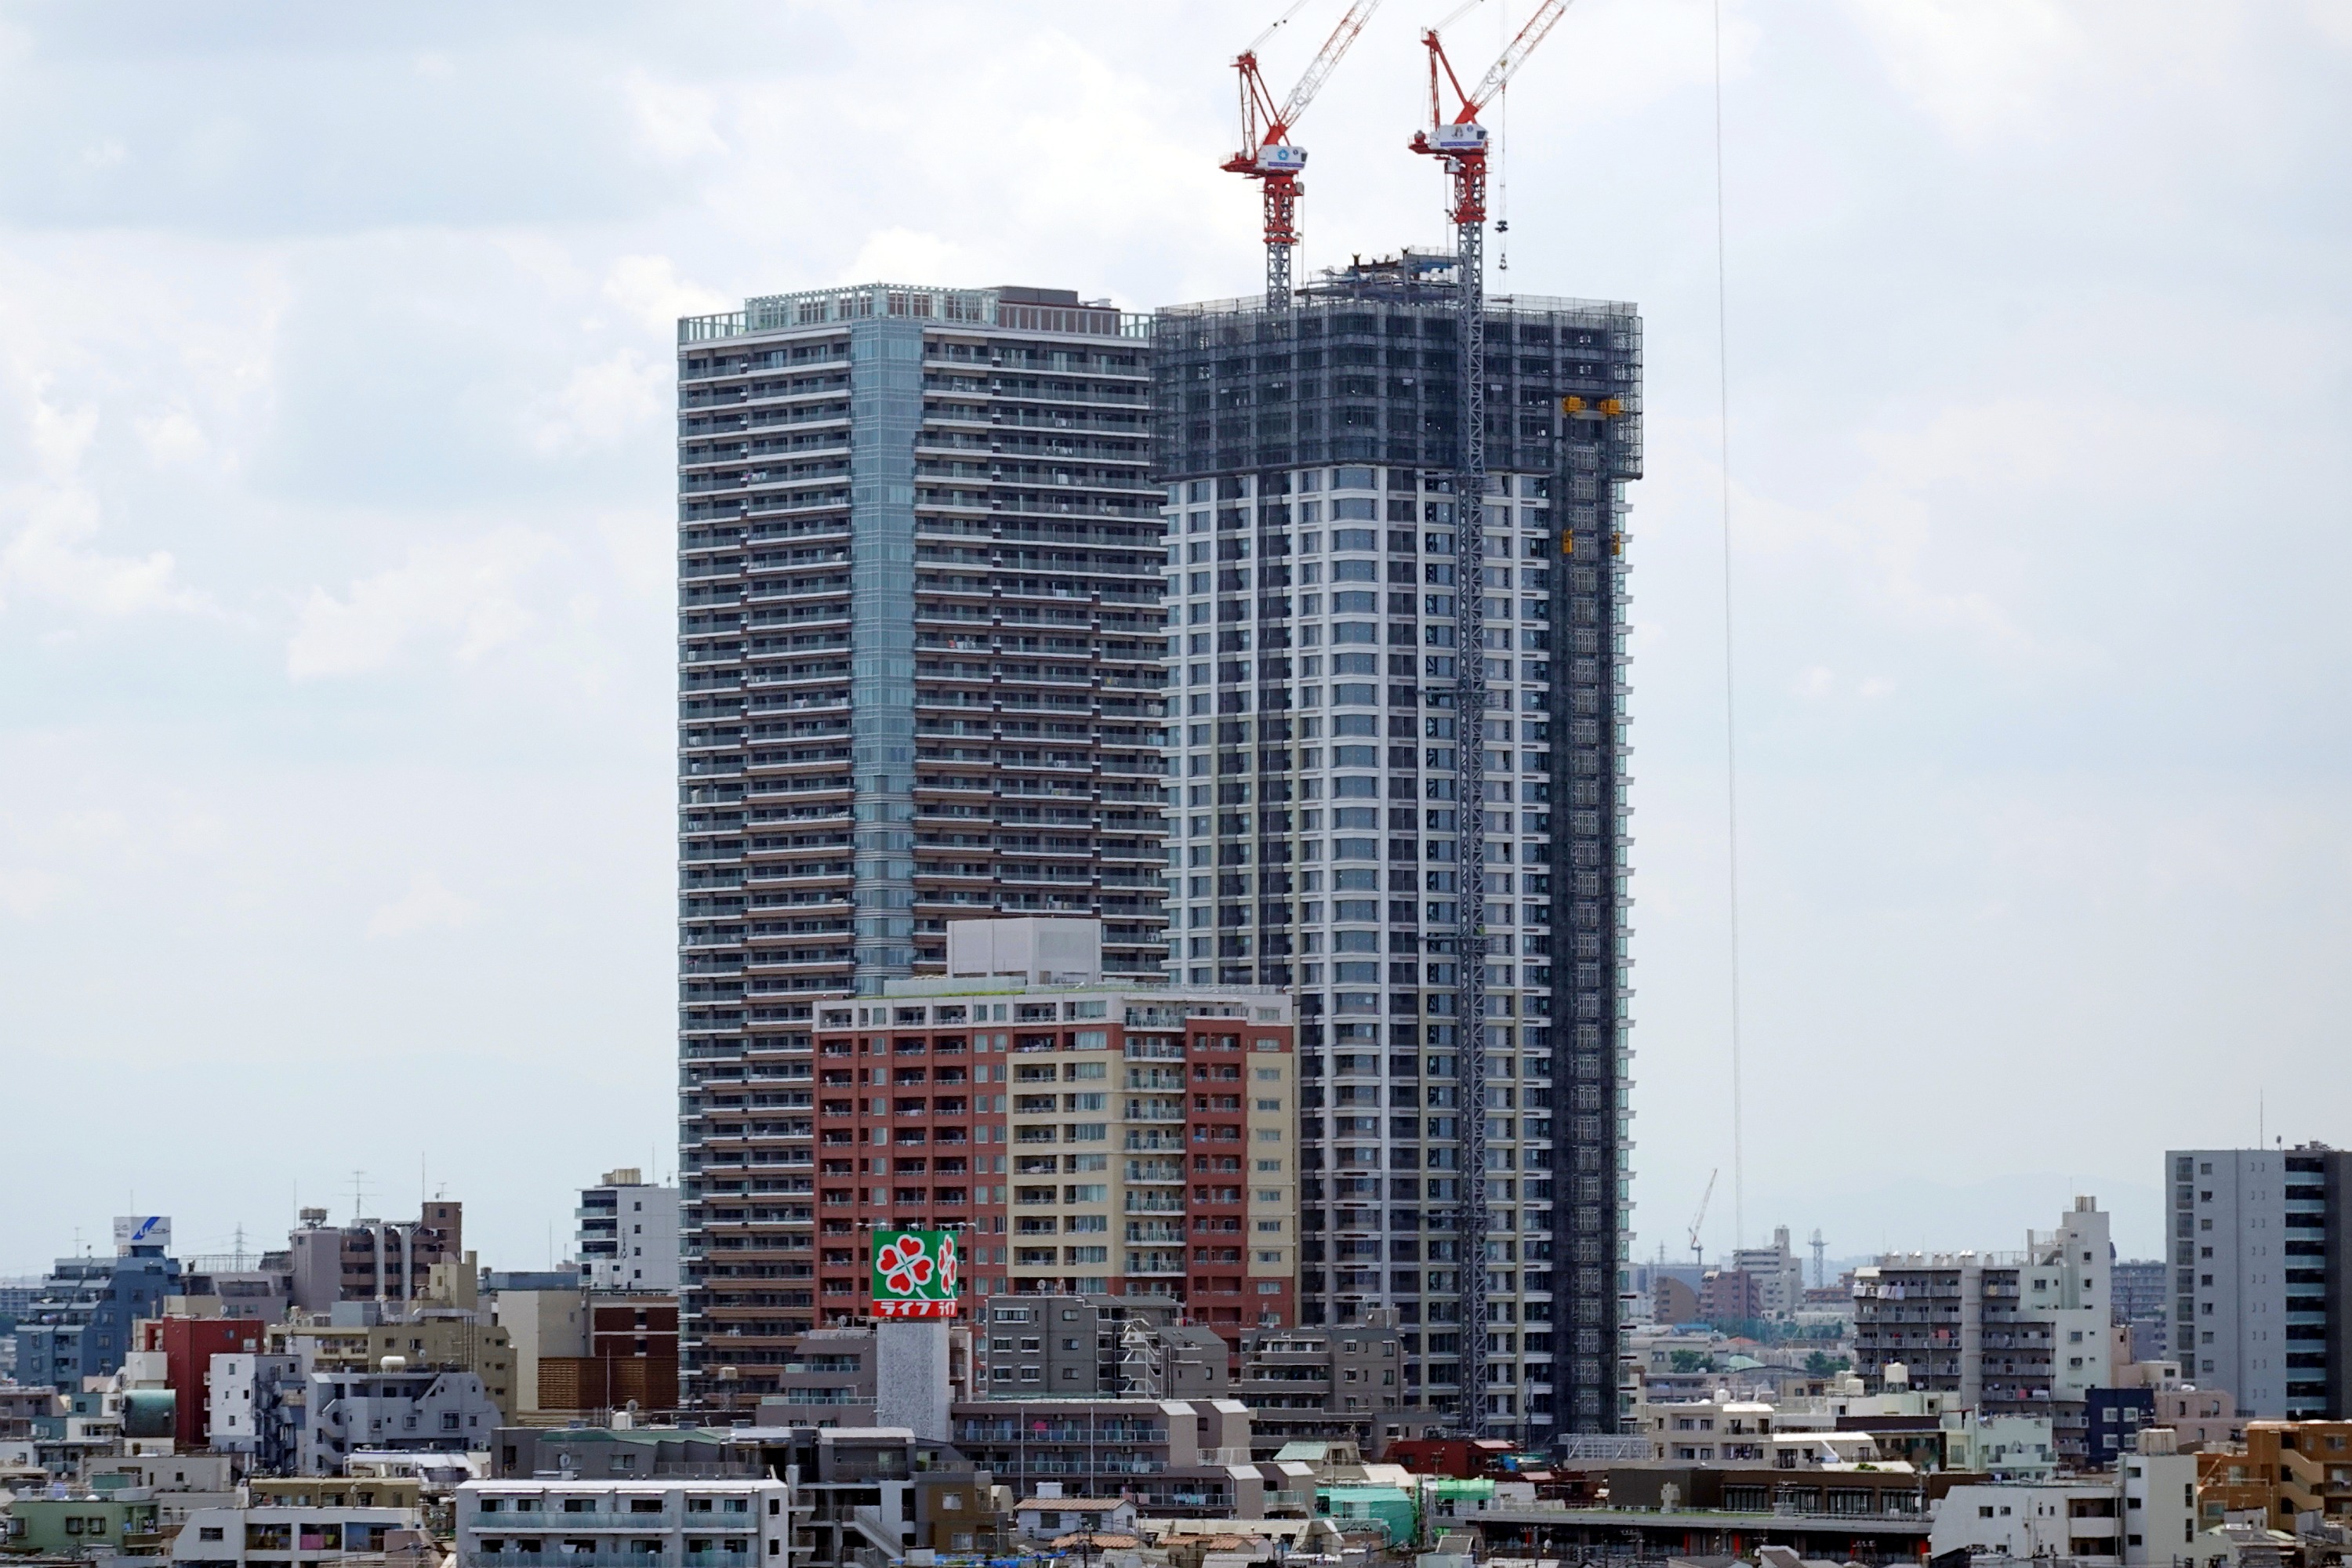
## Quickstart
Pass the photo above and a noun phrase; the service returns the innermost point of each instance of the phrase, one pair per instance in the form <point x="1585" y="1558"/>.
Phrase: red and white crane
<point x="1461" y="142"/>
<point x="1269" y="155"/>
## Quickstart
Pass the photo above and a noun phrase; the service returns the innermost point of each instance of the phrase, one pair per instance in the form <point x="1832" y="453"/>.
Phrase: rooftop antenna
<point x="359" y="1194"/>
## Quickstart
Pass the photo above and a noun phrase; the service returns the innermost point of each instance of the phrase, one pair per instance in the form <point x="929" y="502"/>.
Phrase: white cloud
<point x="1980" y="67"/>
<point x="649" y="289"/>
<point x="26" y="891"/>
<point x="603" y="403"/>
<point x="675" y="121"/>
<point x="907" y="256"/>
<point x="173" y="436"/>
<point x="468" y="596"/>
<point x="46" y="555"/>
<point x="426" y="905"/>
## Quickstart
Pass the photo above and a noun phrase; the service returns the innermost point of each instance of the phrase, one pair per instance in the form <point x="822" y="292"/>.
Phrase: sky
<point x="336" y="501"/>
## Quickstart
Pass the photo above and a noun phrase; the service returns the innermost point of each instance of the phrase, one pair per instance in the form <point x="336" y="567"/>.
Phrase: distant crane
<point x="1699" y="1252"/>
<point x="1461" y="143"/>
<point x="1269" y="155"/>
<point x="1820" y="1269"/>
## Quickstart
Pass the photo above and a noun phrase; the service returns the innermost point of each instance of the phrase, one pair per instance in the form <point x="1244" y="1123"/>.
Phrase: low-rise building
<point x="2291" y="1473"/>
<point x="628" y="1235"/>
<point x="2144" y="1512"/>
<point x="629" y="1358"/>
<point x="180" y="1484"/>
<point x="1084" y="1347"/>
<point x="394" y="1409"/>
<point x="84" y="1523"/>
<point x="739" y="1523"/>
<point x="255" y="1406"/>
<point x="539" y="1325"/>
<point x="2202" y="1417"/>
<point x="1341" y="1383"/>
<point x="1049" y="1517"/>
<point x="1173" y="1456"/>
<point x="451" y="1336"/>
<point x="276" y="1535"/>
<point x="864" y="1490"/>
<point x="336" y="1491"/>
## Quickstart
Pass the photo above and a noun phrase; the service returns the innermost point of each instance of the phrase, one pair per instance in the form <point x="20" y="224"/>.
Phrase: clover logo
<point x="904" y="1265"/>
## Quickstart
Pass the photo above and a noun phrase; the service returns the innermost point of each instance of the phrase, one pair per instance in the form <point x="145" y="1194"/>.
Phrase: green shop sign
<point x="914" y="1273"/>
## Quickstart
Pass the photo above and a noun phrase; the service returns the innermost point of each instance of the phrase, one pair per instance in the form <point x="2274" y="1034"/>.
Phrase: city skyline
<point x="339" y="704"/>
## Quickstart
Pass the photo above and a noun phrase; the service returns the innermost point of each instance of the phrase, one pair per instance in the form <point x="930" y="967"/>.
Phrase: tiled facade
<point x="1089" y="1139"/>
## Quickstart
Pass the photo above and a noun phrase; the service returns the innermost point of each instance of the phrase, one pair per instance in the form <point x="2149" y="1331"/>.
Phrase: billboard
<point x="915" y="1274"/>
<point x="142" y="1230"/>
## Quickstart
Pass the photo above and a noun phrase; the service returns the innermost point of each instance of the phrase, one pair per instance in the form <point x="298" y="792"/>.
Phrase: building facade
<point x="2143" y="1304"/>
<point x="741" y="1522"/>
<point x="937" y="499"/>
<point x="1085" y="1135"/>
<point x="82" y="1322"/>
<point x="628" y="1234"/>
<point x="2259" y="1303"/>
<point x="388" y="1261"/>
<point x="1317" y="843"/>
<point x="2021" y="1333"/>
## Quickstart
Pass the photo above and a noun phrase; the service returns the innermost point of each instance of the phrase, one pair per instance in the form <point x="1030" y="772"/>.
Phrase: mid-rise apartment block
<point x="1316" y="755"/>
<point x="2009" y="1333"/>
<point x="378" y="1260"/>
<point x="628" y="1238"/>
<point x="2259" y="1304"/>
<point x="921" y="649"/>
<point x="1086" y="1133"/>
<point x="80" y="1323"/>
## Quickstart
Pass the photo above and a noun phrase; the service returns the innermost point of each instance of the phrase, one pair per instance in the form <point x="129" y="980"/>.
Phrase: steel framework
<point x="1269" y="155"/>
<point x="1461" y="143"/>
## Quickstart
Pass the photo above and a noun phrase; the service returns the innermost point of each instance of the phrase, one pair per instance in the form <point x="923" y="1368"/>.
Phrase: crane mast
<point x="1269" y="155"/>
<point x="1460" y="143"/>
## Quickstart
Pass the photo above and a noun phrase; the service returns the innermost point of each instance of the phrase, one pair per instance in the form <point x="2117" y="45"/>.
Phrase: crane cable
<point x="1273" y="26"/>
<point x="1730" y="711"/>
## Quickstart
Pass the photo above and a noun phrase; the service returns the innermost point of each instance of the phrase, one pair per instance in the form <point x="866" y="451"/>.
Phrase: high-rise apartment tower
<point x="920" y="675"/>
<point x="2259" y="1258"/>
<point x="1309" y="453"/>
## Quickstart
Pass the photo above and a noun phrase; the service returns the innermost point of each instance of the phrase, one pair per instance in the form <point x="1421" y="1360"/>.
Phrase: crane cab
<point x="1280" y="158"/>
<point x="1470" y="138"/>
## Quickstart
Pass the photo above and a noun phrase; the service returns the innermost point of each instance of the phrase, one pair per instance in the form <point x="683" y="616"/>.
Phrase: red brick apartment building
<point x="1090" y="1138"/>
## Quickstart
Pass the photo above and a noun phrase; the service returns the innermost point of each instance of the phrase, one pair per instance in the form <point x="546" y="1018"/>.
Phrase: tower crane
<point x="1698" y="1253"/>
<point x="1461" y="143"/>
<point x="1269" y="155"/>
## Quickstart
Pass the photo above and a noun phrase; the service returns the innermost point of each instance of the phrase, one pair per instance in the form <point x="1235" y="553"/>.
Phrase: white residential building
<point x="653" y="1523"/>
<point x="267" y="1537"/>
<point x="1778" y="1274"/>
<point x="2144" y="1515"/>
<point x="394" y="1409"/>
<point x="628" y="1234"/>
<point x="2022" y="1334"/>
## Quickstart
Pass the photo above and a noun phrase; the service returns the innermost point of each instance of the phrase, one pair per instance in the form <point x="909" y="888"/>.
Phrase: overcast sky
<point x="336" y="637"/>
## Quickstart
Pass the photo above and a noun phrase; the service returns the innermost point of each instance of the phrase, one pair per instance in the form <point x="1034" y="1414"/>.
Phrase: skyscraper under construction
<point x="1310" y="449"/>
